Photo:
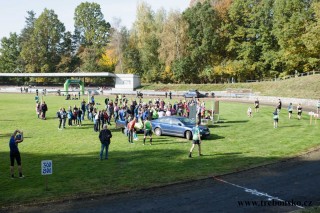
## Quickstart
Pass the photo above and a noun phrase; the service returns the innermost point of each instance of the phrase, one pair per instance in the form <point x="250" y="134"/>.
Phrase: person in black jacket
<point x="104" y="136"/>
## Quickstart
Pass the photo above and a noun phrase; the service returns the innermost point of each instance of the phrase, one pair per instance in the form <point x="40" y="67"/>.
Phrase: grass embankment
<point x="237" y="143"/>
<point x="302" y="87"/>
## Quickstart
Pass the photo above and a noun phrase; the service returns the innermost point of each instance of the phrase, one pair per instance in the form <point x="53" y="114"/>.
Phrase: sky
<point x="14" y="12"/>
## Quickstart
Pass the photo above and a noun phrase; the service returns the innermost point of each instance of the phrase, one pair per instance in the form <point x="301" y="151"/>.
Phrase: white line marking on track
<point x="255" y="192"/>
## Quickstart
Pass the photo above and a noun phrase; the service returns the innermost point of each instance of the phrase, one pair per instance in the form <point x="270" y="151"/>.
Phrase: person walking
<point x="299" y="109"/>
<point x="147" y="131"/>
<point x="70" y="116"/>
<point x="44" y="109"/>
<point x="276" y="118"/>
<point x="256" y="105"/>
<point x="318" y="106"/>
<point x="97" y="121"/>
<point x="15" y="139"/>
<point x="59" y="116"/>
<point x="64" y="117"/>
<point x="249" y="112"/>
<point x="130" y="128"/>
<point x="279" y="105"/>
<point x="38" y="109"/>
<point x="196" y="139"/>
<point x="290" y="109"/>
<point x="104" y="136"/>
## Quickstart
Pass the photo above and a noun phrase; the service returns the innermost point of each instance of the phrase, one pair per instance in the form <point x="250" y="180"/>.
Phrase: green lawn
<point x="302" y="87"/>
<point x="237" y="143"/>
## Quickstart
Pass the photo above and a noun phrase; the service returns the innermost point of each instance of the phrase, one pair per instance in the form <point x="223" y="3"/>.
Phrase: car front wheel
<point x="157" y="131"/>
<point x="188" y="135"/>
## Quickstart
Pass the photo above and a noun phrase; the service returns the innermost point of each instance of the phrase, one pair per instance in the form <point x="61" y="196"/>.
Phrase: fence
<point x="287" y="77"/>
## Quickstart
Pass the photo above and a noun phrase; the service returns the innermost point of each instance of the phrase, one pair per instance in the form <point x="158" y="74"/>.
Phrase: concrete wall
<point x="127" y="82"/>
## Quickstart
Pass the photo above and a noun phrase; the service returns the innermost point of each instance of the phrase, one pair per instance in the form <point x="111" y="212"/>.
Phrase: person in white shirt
<point x="161" y="113"/>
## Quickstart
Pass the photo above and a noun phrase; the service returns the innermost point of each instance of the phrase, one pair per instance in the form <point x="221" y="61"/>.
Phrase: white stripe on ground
<point x="255" y="192"/>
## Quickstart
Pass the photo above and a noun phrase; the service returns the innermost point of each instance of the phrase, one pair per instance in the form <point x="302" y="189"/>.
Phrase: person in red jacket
<point x="130" y="127"/>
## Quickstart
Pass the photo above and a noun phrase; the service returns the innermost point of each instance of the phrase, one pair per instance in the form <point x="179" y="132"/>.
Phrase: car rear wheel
<point x="188" y="135"/>
<point x="157" y="131"/>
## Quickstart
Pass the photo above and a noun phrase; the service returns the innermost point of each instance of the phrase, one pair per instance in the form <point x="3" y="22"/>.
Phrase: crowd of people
<point x="136" y="114"/>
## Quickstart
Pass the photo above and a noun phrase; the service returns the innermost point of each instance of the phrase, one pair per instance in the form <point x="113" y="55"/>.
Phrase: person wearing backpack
<point x="104" y="136"/>
<point x="196" y="139"/>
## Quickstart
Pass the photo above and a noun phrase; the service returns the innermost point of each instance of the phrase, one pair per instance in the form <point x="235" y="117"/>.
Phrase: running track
<point x="268" y="188"/>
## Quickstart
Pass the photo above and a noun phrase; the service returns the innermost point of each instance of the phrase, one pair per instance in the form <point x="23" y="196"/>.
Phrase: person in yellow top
<point x="147" y="131"/>
<point x="196" y="139"/>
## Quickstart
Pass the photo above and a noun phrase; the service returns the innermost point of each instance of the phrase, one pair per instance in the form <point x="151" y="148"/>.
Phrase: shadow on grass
<point x="236" y="122"/>
<point x="229" y="153"/>
<point x="218" y="126"/>
<point x="6" y="135"/>
<point x="290" y="126"/>
<point x="214" y="137"/>
<point x="161" y="142"/>
<point x="84" y="175"/>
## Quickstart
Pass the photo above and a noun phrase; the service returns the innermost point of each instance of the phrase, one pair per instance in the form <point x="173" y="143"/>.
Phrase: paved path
<point x="263" y="189"/>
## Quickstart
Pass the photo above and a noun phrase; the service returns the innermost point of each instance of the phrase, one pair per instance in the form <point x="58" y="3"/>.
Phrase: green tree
<point x="69" y="61"/>
<point x="91" y="35"/>
<point x="268" y="65"/>
<point x="146" y="34"/>
<point x="204" y="41"/>
<point x="41" y="51"/>
<point x="311" y="40"/>
<point x="10" y="53"/>
<point x="131" y="56"/>
<point x="173" y="40"/>
<point x="244" y="35"/>
<point x="90" y="26"/>
<point x="291" y="19"/>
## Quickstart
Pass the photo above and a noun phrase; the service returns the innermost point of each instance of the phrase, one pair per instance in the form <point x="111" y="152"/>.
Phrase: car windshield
<point x="187" y="121"/>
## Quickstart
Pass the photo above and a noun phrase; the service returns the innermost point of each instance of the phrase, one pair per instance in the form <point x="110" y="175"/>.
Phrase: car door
<point x="177" y="127"/>
<point x="165" y="125"/>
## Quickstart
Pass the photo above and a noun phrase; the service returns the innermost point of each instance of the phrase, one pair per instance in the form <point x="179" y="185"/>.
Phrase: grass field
<point x="237" y="143"/>
<point x="302" y="87"/>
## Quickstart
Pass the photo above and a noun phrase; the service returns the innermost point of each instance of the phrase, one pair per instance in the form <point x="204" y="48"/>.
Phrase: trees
<point x="145" y="32"/>
<point x="243" y="32"/>
<point x="212" y="41"/>
<point x="291" y="19"/>
<point x="90" y="27"/>
<point x="41" y="51"/>
<point x="10" y="53"/>
<point x="91" y="35"/>
<point x="311" y="40"/>
<point x="173" y="40"/>
<point x="204" y="41"/>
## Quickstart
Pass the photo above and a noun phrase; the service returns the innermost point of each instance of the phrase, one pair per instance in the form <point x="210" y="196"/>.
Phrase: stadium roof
<point x="76" y="74"/>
